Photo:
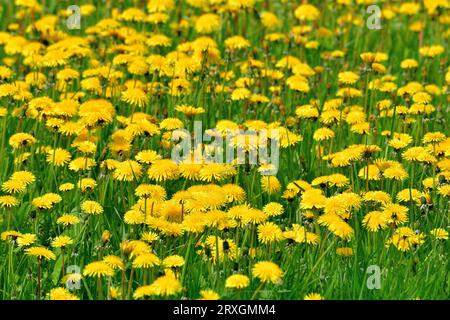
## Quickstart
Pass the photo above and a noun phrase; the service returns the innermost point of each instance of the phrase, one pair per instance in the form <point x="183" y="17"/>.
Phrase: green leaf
<point x="57" y="270"/>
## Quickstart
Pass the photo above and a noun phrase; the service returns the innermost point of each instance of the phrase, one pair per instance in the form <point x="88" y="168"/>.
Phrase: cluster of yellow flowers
<point x="88" y="119"/>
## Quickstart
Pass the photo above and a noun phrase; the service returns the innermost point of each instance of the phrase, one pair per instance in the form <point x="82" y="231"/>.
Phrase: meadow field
<point x="224" y="149"/>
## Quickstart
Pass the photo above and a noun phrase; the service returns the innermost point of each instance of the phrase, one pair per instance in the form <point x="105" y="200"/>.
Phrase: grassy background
<point x="422" y="273"/>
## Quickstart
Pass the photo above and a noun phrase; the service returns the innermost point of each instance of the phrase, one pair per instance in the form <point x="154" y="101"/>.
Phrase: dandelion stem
<point x="130" y="284"/>
<point x="99" y="288"/>
<point x="39" y="279"/>
<point x="257" y="291"/>
<point x="186" y="258"/>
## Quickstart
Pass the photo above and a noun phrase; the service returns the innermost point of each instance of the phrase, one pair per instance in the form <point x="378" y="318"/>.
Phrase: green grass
<point x="419" y="273"/>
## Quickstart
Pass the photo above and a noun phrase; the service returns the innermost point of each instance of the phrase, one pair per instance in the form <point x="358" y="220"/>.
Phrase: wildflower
<point x="173" y="261"/>
<point x="307" y="112"/>
<point x="273" y="209"/>
<point x="114" y="262"/>
<point x="91" y="207"/>
<point x="337" y="180"/>
<point x="166" y="285"/>
<point x="162" y="170"/>
<point x="409" y="64"/>
<point x="128" y="170"/>
<point x="114" y="293"/>
<point x="19" y="140"/>
<point x="146" y="260"/>
<point x="106" y="236"/>
<point x="444" y="190"/>
<point x="240" y="94"/>
<point x="10" y="235"/>
<point x="8" y="201"/>
<point x="68" y="220"/>
<point x="270" y="184"/>
<point x="375" y="220"/>
<point x="336" y="225"/>
<point x="439" y="234"/>
<point x="348" y="77"/>
<point x="395" y="213"/>
<point x="149" y="236"/>
<point x="135" y="97"/>
<point x="98" y="269"/>
<point x="236" y="43"/>
<point x="155" y="192"/>
<point x="345" y="251"/>
<point x="208" y="295"/>
<point x="396" y="173"/>
<point x="62" y="294"/>
<point x="234" y="193"/>
<point x="144" y="291"/>
<point x="87" y="184"/>
<point x="41" y="252"/>
<point x="25" y="177"/>
<point x="237" y="281"/>
<point x="134" y="217"/>
<point x="409" y="194"/>
<point x="269" y="232"/>
<point x="267" y="271"/>
<point x="58" y="157"/>
<point x="147" y="156"/>
<point x="306" y="12"/>
<point x="323" y="134"/>
<point x="405" y="239"/>
<point x="81" y="164"/>
<point x="156" y="40"/>
<point x="431" y="51"/>
<point x="433" y="137"/>
<point x="26" y="239"/>
<point x="61" y="241"/>
<point x="370" y="172"/>
<point x="207" y="23"/>
<point x="13" y="186"/>
<point x="47" y="201"/>
<point x="269" y="20"/>
<point x="313" y="296"/>
<point x="190" y="111"/>
<point x="312" y="198"/>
